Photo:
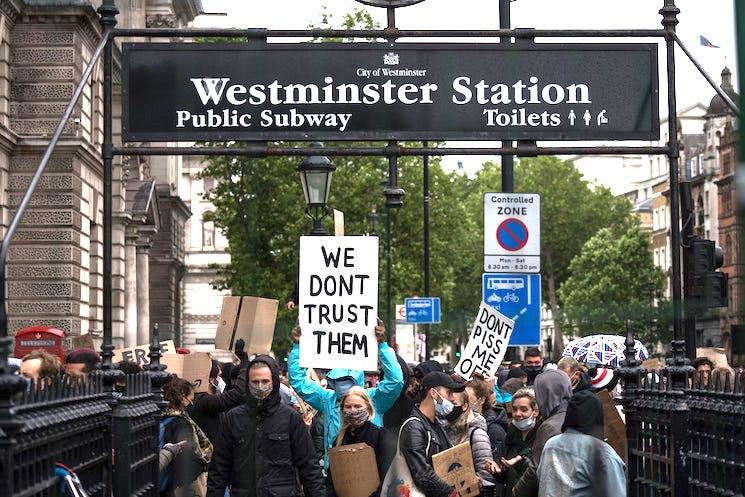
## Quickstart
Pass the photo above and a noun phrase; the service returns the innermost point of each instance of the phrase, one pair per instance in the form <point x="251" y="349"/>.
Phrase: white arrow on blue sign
<point x="424" y="310"/>
<point x="517" y="296"/>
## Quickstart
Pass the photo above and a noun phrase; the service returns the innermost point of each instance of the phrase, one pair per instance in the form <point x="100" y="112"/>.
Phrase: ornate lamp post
<point x="315" y="176"/>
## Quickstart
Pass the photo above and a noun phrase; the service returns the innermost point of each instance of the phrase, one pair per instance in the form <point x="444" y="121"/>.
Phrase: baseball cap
<point x="438" y="379"/>
<point x="423" y="369"/>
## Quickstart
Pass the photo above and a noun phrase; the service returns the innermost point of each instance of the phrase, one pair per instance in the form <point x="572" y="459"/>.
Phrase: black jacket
<point x="207" y="409"/>
<point x="380" y="440"/>
<point x="415" y="436"/>
<point x="318" y="436"/>
<point x="496" y="428"/>
<point x="401" y="409"/>
<point x="263" y="448"/>
<point x="516" y="445"/>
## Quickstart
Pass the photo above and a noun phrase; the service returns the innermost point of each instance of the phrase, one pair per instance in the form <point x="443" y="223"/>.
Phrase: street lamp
<point x="372" y="220"/>
<point x="315" y="176"/>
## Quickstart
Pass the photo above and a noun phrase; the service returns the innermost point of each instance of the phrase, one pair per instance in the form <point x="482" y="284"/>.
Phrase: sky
<point x="713" y="19"/>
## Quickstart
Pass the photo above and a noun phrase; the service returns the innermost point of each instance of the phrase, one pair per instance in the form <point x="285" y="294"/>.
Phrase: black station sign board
<point x="376" y="91"/>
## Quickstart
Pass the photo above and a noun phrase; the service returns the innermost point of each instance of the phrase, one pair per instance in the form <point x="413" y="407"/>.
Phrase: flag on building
<point x="707" y="43"/>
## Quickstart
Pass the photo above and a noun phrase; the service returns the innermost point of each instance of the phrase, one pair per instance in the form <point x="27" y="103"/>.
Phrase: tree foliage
<point x="613" y="279"/>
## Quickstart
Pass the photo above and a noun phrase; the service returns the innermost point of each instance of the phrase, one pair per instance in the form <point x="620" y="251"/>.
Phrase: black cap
<point x="438" y="379"/>
<point x="421" y="370"/>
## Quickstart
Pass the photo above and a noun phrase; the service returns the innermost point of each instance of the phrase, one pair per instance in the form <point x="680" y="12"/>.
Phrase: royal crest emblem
<point x="391" y="59"/>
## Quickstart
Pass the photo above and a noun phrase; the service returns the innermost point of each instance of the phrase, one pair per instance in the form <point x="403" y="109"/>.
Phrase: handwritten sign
<point x="487" y="344"/>
<point x="194" y="367"/>
<point x="455" y="466"/>
<point x="350" y="470"/>
<point x="338" y="290"/>
<point x="139" y="353"/>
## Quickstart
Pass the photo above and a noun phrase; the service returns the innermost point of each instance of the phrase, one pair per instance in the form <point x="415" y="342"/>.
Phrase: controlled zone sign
<point x="338" y="290"/>
<point x="487" y="343"/>
<point x="517" y="296"/>
<point x="512" y="232"/>
<point x="424" y="310"/>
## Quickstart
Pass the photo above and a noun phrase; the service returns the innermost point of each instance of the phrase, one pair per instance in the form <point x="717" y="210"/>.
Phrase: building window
<point x="663" y="217"/>
<point x="728" y="251"/>
<point x="700" y="211"/>
<point x="208" y="232"/>
<point x="726" y="201"/>
<point x="209" y="184"/>
<point x="657" y="257"/>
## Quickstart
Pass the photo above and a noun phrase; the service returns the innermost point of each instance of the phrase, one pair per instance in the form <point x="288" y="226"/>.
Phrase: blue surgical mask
<point x="444" y="407"/>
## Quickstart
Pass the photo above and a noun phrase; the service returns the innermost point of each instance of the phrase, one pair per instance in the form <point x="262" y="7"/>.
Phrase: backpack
<point x="166" y="476"/>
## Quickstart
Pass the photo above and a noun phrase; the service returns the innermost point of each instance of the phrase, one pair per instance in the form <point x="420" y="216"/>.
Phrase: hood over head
<point x="552" y="392"/>
<point x="274" y="399"/>
<point x="585" y="414"/>
<point x="336" y="380"/>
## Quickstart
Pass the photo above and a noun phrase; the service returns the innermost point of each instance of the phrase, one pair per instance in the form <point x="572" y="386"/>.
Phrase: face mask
<point x="260" y="393"/>
<point x="532" y="372"/>
<point x="455" y="414"/>
<point x="220" y="386"/>
<point x="356" y="417"/>
<point x="341" y="386"/>
<point x="524" y="424"/>
<point x="443" y="408"/>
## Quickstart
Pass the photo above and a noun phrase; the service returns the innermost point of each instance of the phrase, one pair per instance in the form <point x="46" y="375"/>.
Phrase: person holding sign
<point x="422" y="436"/>
<point x="356" y="412"/>
<point x="326" y="401"/>
<point x="464" y="425"/>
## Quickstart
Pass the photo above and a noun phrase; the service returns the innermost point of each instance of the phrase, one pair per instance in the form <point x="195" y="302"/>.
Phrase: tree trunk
<point x="557" y="344"/>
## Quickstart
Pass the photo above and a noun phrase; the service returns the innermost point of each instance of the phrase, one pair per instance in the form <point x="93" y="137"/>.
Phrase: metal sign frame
<point x="392" y="150"/>
<point x="495" y="133"/>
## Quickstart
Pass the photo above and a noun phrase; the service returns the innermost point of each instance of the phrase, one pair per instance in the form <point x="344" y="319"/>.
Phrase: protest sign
<point x="84" y="341"/>
<point x="613" y="425"/>
<point x="139" y="354"/>
<point x="351" y="470"/>
<point x="338" y="223"/>
<point x="716" y="355"/>
<point x="249" y="318"/>
<point x="194" y="367"/>
<point x="487" y="343"/>
<point x="338" y="290"/>
<point x="455" y="466"/>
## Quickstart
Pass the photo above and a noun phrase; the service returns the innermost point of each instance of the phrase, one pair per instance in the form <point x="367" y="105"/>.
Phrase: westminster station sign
<point x="373" y="91"/>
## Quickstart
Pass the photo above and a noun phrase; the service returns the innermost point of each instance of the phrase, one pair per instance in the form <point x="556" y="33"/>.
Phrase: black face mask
<point x="532" y="372"/>
<point x="455" y="414"/>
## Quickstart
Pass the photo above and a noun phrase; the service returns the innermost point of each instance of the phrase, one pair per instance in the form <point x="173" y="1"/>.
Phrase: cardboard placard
<point x="716" y="355"/>
<point x="139" y="354"/>
<point x="487" y="343"/>
<point x="338" y="223"/>
<point x="338" y="306"/>
<point x="249" y="318"/>
<point x="455" y="466"/>
<point x="76" y="342"/>
<point x="194" y="367"/>
<point x="614" y="427"/>
<point x="354" y="470"/>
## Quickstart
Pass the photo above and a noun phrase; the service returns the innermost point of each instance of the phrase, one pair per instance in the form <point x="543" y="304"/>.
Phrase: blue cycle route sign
<point x="517" y="296"/>
<point x="425" y="310"/>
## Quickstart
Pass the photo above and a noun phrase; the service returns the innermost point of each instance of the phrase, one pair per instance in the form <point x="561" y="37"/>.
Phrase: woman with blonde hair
<point x="356" y="412"/>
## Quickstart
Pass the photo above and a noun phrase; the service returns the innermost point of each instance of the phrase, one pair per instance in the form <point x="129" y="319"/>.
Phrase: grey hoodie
<point x="552" y="393"/>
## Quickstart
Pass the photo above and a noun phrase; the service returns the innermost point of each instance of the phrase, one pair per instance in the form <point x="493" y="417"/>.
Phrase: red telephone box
<point x="45" y="338"/>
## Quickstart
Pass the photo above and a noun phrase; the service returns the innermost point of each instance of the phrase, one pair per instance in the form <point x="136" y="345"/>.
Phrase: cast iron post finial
<point x="156" y="370"/>
<point x="669" y="13"/>
<point x="108" y="13"/>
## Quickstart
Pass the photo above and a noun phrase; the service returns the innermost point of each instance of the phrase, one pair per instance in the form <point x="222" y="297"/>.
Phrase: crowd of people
<point x="264" y="431"/>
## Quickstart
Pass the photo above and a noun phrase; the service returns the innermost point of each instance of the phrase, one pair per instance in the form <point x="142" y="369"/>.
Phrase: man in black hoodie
<point x="263" y="448"/>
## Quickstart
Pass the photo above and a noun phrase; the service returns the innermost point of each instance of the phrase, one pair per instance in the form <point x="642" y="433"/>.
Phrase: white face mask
<point x="220" y="387"/>
<point x="524" y="424"/>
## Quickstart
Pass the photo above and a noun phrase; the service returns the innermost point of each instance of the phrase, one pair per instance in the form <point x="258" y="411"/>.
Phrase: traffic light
<point x="708" y="286"/>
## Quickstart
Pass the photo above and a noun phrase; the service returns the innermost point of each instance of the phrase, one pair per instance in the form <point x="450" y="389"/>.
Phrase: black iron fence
<point x="685" y="432"/>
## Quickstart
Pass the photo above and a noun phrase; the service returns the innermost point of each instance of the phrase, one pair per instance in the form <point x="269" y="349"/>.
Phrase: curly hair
<point x="175" y="391"/>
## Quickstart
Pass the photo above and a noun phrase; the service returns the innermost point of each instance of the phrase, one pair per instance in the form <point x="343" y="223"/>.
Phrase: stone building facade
<point x="55" y="262"/>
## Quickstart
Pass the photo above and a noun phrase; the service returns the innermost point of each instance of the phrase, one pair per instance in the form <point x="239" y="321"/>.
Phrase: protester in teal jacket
<point x="327" y="400"/>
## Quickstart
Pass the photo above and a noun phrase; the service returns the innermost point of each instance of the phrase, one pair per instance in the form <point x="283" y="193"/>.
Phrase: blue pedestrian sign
<point x="517" y="296"/>
<point x="424" y="310"/>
